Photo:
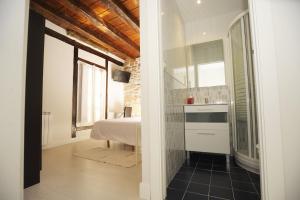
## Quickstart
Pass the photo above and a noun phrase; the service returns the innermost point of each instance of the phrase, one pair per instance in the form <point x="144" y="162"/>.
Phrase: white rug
<point x="110" y="156"/>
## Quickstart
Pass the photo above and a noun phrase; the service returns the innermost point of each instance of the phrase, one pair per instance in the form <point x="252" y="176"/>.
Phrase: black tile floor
<point x="205" y="177"/>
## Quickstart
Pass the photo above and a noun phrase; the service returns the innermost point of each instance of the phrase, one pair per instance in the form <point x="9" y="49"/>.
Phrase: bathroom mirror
<point x="206" y="64"/>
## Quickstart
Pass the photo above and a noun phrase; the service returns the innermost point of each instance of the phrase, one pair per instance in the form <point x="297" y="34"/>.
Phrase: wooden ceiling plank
<point x="130" y="5"/>
<point x="99" y="22"/>
<point x="117" y="7"/>
<point x="48" y="12"/>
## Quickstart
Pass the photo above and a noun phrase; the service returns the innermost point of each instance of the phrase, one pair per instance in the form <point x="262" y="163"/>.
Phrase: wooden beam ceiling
<point x="98" y="22"/>
<point x="91" y="27"/>
<point x="117" y="7"/>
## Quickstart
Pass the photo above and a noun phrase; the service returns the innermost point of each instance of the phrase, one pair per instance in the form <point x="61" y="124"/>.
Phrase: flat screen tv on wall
<point x="121" y="76"/>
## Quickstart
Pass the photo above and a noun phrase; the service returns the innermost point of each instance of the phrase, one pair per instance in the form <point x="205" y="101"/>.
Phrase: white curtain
<point x="91" y="94"/>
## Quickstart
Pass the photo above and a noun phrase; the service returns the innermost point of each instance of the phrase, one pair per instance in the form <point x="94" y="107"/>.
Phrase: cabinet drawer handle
<point x="206" y="133"/>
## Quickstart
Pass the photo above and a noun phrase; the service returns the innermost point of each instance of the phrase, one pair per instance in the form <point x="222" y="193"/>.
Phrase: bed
<point x="124" y="130"/>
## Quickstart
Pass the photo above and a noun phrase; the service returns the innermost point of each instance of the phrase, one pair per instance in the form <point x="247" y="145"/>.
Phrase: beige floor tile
<point x="66" y="177"/>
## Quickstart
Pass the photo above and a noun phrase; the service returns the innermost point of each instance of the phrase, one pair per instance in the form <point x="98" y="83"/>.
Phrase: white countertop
<point x="208" y="104"/>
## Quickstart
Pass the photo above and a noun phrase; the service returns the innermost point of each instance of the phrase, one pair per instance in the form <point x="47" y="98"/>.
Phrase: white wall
<point x="115" y="93"/>
<point x="286" y="26"/>
<point x="173" y="55"/>
<point x="152" y="91"/>
<point x="145" y="189"/>
<point x="13" y="39"/>
<point x="58" y="88"/>
<point x="210" y="20"/>
<point x="209" y="29"/>
<point x="172" y="40"/>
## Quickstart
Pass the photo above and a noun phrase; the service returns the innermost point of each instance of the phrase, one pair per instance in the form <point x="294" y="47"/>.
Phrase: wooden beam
<point x="117" y="7"/>
<point x="91" y="63"/>
<point x="75" y="90"/>
<point x="33" y="100"/>
<point x="81" y="38"/>
<point x="69" y="23"/>
<point x="74" y="43"/>
<point x="98" y="22"/>
<point x="106" y="90"/>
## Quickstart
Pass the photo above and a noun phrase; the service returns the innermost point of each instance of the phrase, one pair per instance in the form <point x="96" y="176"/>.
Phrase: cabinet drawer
<point x="205" y="126"/>
<point x="214" y="141"/>
<point x="206" y="108"/>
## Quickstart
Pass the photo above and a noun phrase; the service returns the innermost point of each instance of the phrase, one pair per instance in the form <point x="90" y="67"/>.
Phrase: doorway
<point x="256" y="10"/>
<point x="76" y="80"/>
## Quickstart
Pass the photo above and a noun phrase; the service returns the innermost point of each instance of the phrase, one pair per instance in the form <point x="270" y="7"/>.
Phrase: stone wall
<point x="132" y="90"/>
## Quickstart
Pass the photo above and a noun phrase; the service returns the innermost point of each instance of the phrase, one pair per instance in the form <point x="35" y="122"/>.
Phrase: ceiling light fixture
<point x="199" y="2"/>
<point x="204" y="33"/>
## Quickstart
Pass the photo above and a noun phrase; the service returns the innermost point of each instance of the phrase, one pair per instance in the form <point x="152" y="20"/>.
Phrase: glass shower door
<point x="244" y="120"/>
<point x="251" y="88"/>
<point x="240" y="88"/>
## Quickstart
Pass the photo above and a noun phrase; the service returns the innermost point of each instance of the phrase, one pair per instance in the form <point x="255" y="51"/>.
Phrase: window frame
<point x="81" y="95"/>
<point x="75" y="127"/>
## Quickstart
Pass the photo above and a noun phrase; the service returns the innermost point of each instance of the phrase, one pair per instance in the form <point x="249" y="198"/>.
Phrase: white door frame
<point x="152" y="102"/>
<point x="14" y="16"/>
<point x="271" y="161"/>
<point x="268" y="110"/>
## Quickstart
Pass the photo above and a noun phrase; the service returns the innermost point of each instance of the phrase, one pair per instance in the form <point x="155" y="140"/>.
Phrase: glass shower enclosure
<point x="245" y="134"/>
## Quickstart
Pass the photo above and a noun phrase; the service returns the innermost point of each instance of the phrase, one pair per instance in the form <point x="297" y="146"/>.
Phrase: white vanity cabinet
<point x="207" y="129"/>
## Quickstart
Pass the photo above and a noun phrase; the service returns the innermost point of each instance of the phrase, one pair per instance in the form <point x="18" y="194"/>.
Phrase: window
<point x="180" y="74"/>
<point x="211" y="74"/>
<point x="206" y="64"/>
<point x="191" y="76"/>
<point x="91" y="94"/>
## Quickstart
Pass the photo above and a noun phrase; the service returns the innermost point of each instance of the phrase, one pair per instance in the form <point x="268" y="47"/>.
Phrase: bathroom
<point x="211" y="137"/>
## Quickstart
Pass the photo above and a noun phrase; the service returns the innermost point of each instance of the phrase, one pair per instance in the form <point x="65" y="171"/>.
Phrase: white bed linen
<point x="125" y="130"/>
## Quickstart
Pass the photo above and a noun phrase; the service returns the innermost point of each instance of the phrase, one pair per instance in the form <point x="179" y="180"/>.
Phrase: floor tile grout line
<point x="218" y="186"/>
<point x="253" y="185"/>
<point x="198" y="193"/>
<point x="212" y="165"/>
<point x="196" y="168"/>
<point x="249" y="182"/>
<point x="225" y="172"/>
<point x="190" y="180"/>
<point x="173" y="188"/>
<point x="219" y="197"/>
<point x="231" y="186"/>
<point x="208" y="195"/>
